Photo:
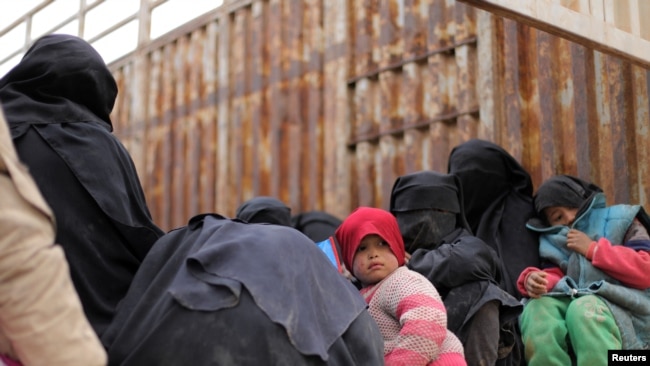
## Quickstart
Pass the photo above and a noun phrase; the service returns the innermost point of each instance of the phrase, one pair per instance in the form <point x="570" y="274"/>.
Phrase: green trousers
<point x="564" y="331"/>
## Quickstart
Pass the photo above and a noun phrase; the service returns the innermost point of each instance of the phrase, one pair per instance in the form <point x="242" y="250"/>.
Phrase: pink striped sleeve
<point x="423" y="320"/>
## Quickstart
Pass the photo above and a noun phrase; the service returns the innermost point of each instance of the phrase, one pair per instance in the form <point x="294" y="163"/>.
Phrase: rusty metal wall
<point x="323" y="103"/>
<point x="166" y="114"/>
<point x="228" y="108"/>
<point x="612" y="27"/>
<point x="568" y="109"/>
<point x="412" y="90"/>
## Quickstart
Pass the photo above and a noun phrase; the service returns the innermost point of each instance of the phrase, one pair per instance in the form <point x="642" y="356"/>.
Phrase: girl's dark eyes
<point x="363" y="247"/>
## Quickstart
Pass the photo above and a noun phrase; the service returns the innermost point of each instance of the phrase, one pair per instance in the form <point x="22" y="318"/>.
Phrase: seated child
<point x="406" y="306"/>
<point x="592" y="293"/>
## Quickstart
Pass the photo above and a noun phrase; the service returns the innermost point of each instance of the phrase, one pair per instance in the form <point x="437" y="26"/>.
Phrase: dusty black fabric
<point x="481" y="348"/>
<point x="498" y="202"/>
<point x="426" y="190"/>
<point x="224" y="292"/>
<point x="428" y="206"/>
<point x="266" y="210"/>
<point x="564" y="191"/>
<point x="465" y="271"/>
<point x="317" y="225"/>
<point x="57" y="102"/>
<point x="61" y="79"/>
<point x="424" y="229"/>
<point x="561" y="191"/>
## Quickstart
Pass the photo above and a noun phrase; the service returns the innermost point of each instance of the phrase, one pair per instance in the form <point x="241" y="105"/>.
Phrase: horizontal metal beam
<point x="551" y="17"/>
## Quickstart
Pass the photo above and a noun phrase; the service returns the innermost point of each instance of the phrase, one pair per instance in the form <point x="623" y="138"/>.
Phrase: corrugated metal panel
<point x="323" y="103"/>
<point x="166" y="116"/>
<point x="235" y="109"/>
<point x="337" y="177"/>
<point x="413" y="89"/>
<point x="572" y="110"/>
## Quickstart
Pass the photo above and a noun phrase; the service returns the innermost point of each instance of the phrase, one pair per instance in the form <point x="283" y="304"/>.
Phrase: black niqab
<point x="428" y="206"/>
<point x="429" y="209"/>
<point x="498" y="203"/>
<point x="57" y="102"/>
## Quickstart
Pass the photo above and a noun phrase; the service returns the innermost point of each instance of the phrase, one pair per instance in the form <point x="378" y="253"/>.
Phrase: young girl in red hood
<point x="408" y="309"/>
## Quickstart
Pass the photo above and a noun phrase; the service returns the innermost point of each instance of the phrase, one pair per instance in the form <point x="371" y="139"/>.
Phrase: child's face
<point x="558" y="215"/>
<point x="373" y="261"/>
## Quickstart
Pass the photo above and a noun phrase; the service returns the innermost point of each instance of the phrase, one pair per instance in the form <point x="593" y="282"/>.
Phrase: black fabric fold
<point x="466" y="271"/>
<point x="214" y="266"/>
<point x="263" y="209"/>
<point x="498" y="201"/>
<point x="317" y="225"/>
<point x="562" y="191"/>
<point x="57" y="102"/>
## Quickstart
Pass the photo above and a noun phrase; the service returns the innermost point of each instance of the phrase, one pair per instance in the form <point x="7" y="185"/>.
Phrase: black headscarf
<point x="572" y="192"/>
<point x="498" y="203"/>
<point x="60" y="79"/>
<point x="564" y="191"/>
<point x="224" y="292"/>
<point x="428" y="206"/>
<point x="57" y="101"/>
<point x="264" y="209"/>
<point x="317" y="225"/>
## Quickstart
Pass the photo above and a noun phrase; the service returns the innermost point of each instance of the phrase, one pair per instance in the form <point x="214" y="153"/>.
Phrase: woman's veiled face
<point x="559" y="215"/>
<point x="425" y="229"/>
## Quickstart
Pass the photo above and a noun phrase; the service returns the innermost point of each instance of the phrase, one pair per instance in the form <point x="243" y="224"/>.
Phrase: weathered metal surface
<point x="613" y="27"/>
<point x="573" y="110"/>
<point x="324" y="103"/>
<point x="337" y="166"/>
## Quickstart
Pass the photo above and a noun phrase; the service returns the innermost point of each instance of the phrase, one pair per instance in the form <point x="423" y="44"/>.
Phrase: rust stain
<point x="323" y="103"/>
<point x="391" y="25"/>
<point x="439" y="27"/>
<point x="414" y="31"/>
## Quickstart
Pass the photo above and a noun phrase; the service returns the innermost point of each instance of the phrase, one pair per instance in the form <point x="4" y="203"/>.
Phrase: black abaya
<point x="57" y="102"/>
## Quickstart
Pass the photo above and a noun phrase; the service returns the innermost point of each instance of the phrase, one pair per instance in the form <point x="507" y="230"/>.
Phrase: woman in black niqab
<point x="57" y="102"/>
<point x="225" y="292"/>
<point x="429" y="210"/>
<point x="498" y="200"/>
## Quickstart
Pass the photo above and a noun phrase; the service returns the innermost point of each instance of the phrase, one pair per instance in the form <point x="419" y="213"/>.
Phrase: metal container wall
<point x="412" y="90"/>
<point x="568" y="109"/>
<point x="166" y="114"/>
<point x="323" y="103"/>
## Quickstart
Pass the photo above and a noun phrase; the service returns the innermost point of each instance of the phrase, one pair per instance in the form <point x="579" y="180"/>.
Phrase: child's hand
<point x="578" y="241"/>
<point x="407" y="257"/>
<point x="536" y="284"/>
